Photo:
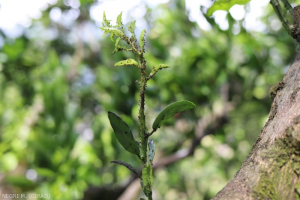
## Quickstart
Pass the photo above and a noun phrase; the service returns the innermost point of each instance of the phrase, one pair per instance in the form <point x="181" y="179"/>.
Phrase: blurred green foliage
<point x="55" y="136"/>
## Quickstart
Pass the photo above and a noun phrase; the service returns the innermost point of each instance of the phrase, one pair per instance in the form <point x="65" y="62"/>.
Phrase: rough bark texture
<point x="272" y="168"/>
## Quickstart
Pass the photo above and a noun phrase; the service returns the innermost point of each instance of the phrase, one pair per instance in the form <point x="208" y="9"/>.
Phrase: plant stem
<point x="142" y="120"/>
<point x="280" y="14"/>
<point x="288" y="6"/>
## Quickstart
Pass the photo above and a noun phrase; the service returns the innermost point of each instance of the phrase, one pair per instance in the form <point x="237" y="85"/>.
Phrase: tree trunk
<point x="272" y="168"/>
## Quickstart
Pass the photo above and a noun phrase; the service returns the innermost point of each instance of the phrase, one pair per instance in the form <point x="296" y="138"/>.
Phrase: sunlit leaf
<point x="171" y="110"/>
<point x="128" y="166"/>
<point x="106" y="22"/>
<point x="131" y="27"/>
<point x="224" y="5"/>
<point x="119" y="20"/>
<point x="123" y="134"/>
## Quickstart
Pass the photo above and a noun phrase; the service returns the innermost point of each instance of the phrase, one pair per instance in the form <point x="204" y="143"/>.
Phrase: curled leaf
<point x="105" y="21"/>
<point x="151" y="147"/>
<point x="131" y="27"/>
<point x="128" y="166"/>
<point x="142" y="39"/>
<point x="171" y="110"/>
<point x="156" y="68"/>
<point x="117" y="42"/>
<point x="104" y="34"/>
<point x="127" y="62"/>
<point x="123" y="134"/>
<point x="112" y="37"/>
<point x="119" y="48"/>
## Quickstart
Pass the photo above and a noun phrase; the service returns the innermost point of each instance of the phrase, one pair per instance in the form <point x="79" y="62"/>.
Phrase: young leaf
<point x="117" y="42"/>
<point x="171" y="110"/>
<point x="147" y="179"/>
<point x="156" y="68"/>
<point x="142" y="39"/>
<point x="151" y="147"/>
<point x="106" y="22"/>
<point x="112" y="37"/>
<point x="131" y="27"/>
<point x="127" y="62"/>
<point x="123" y="134"/>
<point x="114" y="31"/>
<point x="119" y="20"/>
<point x="128" y="166"/>
<point x="119" y="48"/>
<point x="224" y="5"/>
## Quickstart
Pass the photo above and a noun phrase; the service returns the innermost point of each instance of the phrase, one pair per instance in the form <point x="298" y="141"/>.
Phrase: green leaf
<point x="147" y="179"/>
<point x="119" y="48"/>
<point x="117" y="42"/>
<point x="151" y="147"/>
<point x="114" y="31"/>
<point x="106" y="22"/>
<point x="20" y="181"/>
<point x="142" y="39"/>
<point x="128" y="166"/>
<point x="104" y="34"/>
<point x="156" y="68"/>
<point x="171" y="110"/>
<point x="45" y="172"/>
<point x="131" y="27"/>
<point x="112" y="37"/>
<point x="119" y="20"/>
<point x="123" y="134"/>
<point x="127" y="62"/>
<point x="224" y="5"/>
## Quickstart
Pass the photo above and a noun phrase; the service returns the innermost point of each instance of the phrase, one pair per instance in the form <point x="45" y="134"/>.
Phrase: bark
<point x="272" y="168"/>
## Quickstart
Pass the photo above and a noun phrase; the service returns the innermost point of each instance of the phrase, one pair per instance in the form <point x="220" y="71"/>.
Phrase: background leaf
<point x="171" y="110"/>
<point x="123" y="134"/>
<point x="224" y="5"/>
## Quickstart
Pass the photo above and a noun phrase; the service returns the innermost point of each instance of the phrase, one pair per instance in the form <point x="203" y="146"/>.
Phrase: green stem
<point x="142" y="120"/>
<point x="143" y="85"/>
<point x="288" y="6"/>
<point x="280" y="14"/>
